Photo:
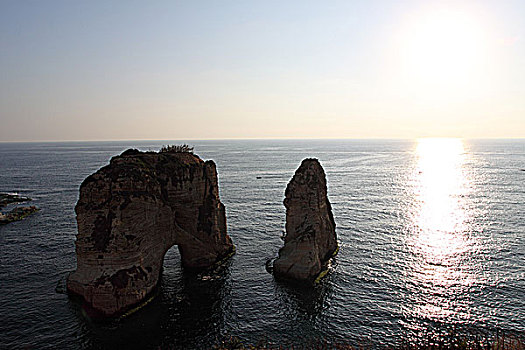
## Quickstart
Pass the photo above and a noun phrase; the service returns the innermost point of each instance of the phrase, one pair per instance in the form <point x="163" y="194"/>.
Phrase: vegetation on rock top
<point x="176" y="149"/>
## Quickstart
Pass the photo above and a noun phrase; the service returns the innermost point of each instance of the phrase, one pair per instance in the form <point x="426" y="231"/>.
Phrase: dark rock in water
<point x="310" y="239"/>
<point x="9" y="198"/>
<point x="17" y="213"/>
<point x="131" y="212"/>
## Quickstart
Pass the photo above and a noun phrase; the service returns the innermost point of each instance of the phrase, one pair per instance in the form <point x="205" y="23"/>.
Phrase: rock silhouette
<point x="310" y="239"/>
<point x="131" y="212"/>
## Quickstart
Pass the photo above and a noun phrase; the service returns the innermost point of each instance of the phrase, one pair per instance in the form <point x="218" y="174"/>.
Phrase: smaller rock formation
<point x="310" y="239"/>
<point x="131" y="212"/>
<point x="9" y="198"/>
<point x="17" y="213"/>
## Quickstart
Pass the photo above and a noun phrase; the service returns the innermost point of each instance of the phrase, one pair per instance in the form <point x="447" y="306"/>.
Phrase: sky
<point x="171" y="70"/>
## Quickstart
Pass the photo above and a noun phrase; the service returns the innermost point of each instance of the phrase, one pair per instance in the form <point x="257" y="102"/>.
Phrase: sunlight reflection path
<point x="438" y="238"/>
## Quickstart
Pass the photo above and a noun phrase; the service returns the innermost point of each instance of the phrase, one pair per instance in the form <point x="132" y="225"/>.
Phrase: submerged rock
<point x="310" y="239"/>
<point x="131" y="212"/>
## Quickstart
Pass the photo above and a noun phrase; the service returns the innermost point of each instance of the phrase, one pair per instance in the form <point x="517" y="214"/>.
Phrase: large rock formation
<point x="131" y="212"/>
<point x="310" y="239"/>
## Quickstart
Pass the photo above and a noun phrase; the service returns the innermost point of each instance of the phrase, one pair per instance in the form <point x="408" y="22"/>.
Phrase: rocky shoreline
<point x="17" y="213"/>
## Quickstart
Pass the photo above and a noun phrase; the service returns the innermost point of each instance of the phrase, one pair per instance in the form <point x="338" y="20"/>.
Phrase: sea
<point x="431" y="235"/>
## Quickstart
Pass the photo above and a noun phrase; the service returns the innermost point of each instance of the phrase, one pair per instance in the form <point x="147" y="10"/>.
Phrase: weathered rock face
<point x="131" y="212"/>
<point x="310" y="239"/>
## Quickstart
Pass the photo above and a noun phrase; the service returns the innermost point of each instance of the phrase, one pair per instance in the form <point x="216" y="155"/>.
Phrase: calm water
<point x="432" y="237"/>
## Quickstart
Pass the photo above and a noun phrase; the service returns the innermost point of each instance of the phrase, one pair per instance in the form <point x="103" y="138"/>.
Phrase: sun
<point x="442" y="48"/>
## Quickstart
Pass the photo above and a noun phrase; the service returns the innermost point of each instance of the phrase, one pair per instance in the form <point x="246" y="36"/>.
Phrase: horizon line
<point x="265" y="138"/>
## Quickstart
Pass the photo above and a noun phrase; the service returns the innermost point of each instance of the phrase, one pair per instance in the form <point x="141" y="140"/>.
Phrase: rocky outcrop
<point x="310" y="239"/>
<point x="10" y="198"/>
<point x="17" y="213"/>
<point x="131" y="212"/>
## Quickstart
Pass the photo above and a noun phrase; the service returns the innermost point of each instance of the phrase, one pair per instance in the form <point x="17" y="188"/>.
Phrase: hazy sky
<point x="113" y="70"/>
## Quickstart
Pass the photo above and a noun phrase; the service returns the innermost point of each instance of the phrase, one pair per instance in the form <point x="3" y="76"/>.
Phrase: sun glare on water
<point x="441" y="186"/>
<point x="439" y="233"/>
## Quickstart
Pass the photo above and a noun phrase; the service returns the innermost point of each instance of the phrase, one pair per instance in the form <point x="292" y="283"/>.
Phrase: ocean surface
<point x="431" y="235"/>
